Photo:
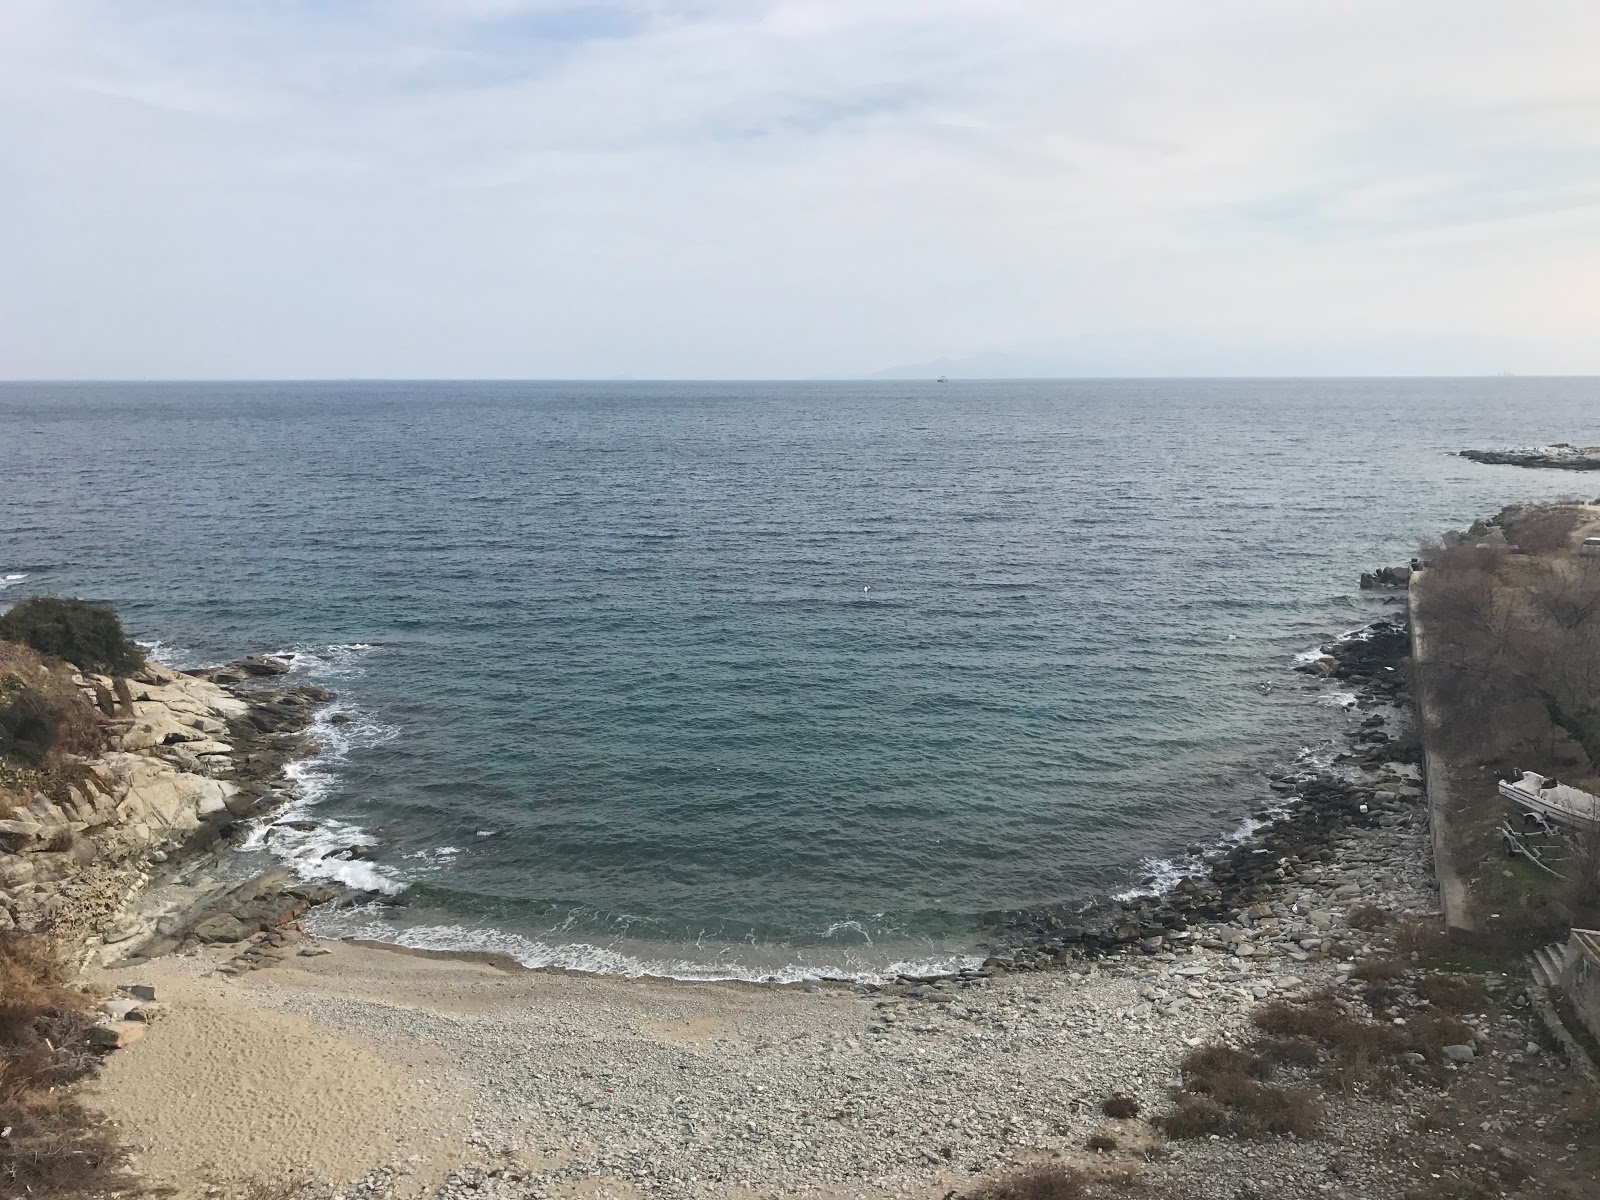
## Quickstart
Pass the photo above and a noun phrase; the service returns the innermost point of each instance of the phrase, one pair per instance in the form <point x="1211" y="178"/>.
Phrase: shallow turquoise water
<point x="616" y="688"/>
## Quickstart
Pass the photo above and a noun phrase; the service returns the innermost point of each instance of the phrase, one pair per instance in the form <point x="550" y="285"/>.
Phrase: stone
<point x="115" y="1037"/>
<point x="220" y="927"/>
<point x="139" y="991"/>
<point x="1460" y="1054"/>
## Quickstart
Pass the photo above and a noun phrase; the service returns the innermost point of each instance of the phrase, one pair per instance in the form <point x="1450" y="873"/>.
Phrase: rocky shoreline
<point x="1236" y="899"/>
<point x="189" y="757"/>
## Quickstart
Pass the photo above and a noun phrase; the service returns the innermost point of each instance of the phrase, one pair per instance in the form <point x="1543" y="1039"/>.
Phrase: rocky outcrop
<point x="1387" y="577"/>
<point x="185" y="758"/>
<point x="1561" y="456"/>
<point x="262" y="911"/>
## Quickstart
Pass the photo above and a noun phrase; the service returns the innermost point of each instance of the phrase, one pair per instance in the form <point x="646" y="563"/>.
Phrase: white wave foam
<point x="12" y="580"/>
<point x="1309" y="656"/>
<point x="307" y="850"/>
<point x="179" y="658"/>
<point x="602" y="960"/>
<point x="335" y="661"/>
<point x="1164" y="874"/>
<point x="1339" y="699"/>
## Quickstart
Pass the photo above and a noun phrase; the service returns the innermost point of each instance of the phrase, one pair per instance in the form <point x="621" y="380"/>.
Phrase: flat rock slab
<point x="1561" y="456"/>
<point x="117" y="1034"/>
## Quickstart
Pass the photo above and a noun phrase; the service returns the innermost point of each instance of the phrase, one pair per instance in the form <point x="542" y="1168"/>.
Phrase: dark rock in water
<point x="1561" y="456"/>
<point x="262" y="665"/>
<point x="255" y="666"/>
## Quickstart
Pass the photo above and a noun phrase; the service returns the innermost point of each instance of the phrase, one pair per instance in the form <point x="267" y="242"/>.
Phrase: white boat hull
<point x="1564" y="805"/>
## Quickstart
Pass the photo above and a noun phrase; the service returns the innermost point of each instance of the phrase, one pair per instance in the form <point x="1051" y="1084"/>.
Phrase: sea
<point x="760" y="680"/>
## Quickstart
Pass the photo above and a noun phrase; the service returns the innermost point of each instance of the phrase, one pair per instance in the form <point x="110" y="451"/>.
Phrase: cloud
<point x="793" y="187"/>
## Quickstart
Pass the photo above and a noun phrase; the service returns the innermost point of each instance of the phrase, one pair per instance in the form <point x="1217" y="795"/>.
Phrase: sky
<point x="797" y="188"/>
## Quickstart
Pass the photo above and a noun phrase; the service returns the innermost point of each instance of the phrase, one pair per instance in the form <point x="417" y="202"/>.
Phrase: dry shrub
<point x="1217" y="1059"/>
<point x="1194" y="1116"/>
<point x="291" y="1187"/>
<point x="1224" y="1090"/>
<point x="1057" y="1181"/>
<point x="1453" y="993"/>
<point x="1422" y="936"/>
<point x="1102" y="1142"/>
<point x="1121" y="1106"/>
<point x="1380" y="997"/>
<point x="1539" y="528"/>
<point x="42" y="713"/>
<point x="1430" y="1034"/>
<point x="1368" y="916"/>
<point x="54" y="1147"/>
<point x="1379" y="970"/>
<point x="1317" y="1017"/>
<point x="1356" y="1046"/>
<point x="1288" y="1052"/>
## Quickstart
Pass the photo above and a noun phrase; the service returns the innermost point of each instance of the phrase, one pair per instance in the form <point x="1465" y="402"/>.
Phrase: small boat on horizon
<point x="1553" y="800"/>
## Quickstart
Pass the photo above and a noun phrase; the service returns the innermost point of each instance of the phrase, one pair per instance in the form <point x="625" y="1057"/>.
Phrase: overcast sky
<point x="745" y="188"/>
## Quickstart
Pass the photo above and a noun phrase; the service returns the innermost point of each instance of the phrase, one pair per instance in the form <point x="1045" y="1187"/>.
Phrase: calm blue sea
<point x="737" y="678"/>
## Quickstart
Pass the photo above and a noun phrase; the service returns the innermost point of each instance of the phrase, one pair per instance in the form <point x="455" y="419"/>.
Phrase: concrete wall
<point x="1454" y="900"/>
<point x="1580" y="977"/>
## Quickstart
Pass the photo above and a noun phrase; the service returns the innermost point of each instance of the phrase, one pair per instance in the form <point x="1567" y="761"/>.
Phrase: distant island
<point x="1561" y="456"/>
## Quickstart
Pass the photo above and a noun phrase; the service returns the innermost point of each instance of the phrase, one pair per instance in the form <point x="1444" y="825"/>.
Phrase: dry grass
<point x="44" y="719"/>
<point x="1121" y="1106"/>
<point x="1288" y="1052"/>
<point x="1424" y="936"/>
<point x="1379" y="970"/>
<point x="54" y="1148"/>
<point x="1057" y="1181"/>
<point x="43" y="715"/>
<point x="1368" y="916"/>
<point x="1453" y="993"/>
<point x="1360" y="1050"/>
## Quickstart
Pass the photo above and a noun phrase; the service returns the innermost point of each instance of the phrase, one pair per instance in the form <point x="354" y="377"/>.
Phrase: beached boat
<point x="1554" y="801"/>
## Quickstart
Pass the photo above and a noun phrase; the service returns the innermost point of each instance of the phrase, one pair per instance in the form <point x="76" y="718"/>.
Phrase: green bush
<point x="28" y="723"/>
<point x="88" y="636"/>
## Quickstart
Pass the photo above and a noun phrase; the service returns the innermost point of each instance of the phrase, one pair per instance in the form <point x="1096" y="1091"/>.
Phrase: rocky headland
<point x="183" y="759"/>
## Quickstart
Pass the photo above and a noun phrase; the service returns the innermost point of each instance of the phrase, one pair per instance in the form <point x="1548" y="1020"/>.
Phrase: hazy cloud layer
<point x="477" y="188"/>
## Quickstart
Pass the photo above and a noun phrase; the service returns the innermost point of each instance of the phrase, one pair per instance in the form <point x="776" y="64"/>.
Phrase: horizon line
<point x="879" y="378"/>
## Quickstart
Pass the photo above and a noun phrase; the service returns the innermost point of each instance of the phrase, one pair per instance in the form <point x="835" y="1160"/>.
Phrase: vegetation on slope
<point x="1511" y="619"/>
<point x="89" y="636"/>
<point x="51" y="1145"/>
